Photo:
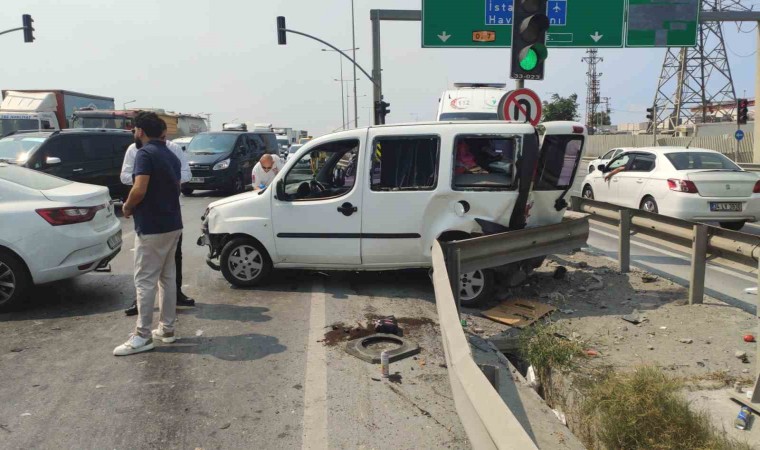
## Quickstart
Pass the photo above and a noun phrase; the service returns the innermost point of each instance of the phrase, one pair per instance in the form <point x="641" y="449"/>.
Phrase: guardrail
<point x="488" y="421"/>
<point x="703" y="242"/>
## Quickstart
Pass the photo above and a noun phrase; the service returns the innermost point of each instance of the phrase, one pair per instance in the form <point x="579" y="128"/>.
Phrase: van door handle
<point x="347" y="209"/>
<point x="77" y="170"/>
<point x="639" y="181"/>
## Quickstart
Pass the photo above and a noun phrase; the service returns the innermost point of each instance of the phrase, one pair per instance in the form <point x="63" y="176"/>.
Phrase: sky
<point x="221" y="58"/>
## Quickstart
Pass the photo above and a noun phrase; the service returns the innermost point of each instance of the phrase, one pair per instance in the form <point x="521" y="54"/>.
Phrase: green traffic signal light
<point x="529" y="60"/>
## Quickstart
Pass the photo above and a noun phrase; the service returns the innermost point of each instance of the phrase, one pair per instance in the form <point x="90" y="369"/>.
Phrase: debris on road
<point x="17" y="350"/>
<point x="635" y="317"/>
<point x="559" y="273"/>
<point x="596" y="285"/>
<point x="648" y="278"/>
<point x="567" y="311"/>
<point x="749" y="338"/>
<point x="370" y="348"/>
<point x="518" y="313"/>
<point x="742" y="356"/>
<point x="26" y="414"/>
<point x="225" y="426"/>
<point x="199" y="333"/>
<point x="686" y="341"/>
<point x="387" y="325"/>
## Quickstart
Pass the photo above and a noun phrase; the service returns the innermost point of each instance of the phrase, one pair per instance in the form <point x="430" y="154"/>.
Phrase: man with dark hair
<point x="127" y="169"/>
<point x="154" y="202"/>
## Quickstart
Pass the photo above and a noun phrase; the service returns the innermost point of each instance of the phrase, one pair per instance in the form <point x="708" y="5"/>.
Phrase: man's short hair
<point x="150" y="123"/>
<point x="267" y="157"/>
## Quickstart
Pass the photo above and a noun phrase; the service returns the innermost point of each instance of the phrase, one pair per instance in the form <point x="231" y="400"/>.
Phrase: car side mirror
<point x="280" y="190"/>
<point x="601" y="167"/>
<point x="52" y="161"/>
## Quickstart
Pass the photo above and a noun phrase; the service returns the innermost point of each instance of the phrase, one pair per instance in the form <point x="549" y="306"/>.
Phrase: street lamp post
<point x="344" y="109"/>
<point x="124" y="106"/>
<point x="353" y="44"/>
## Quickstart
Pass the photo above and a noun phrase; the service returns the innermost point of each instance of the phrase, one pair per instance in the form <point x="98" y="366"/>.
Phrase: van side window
<point x="96" y="147"/>
<point x="405" y="163"/>
<point x="560" y="155"/>
<point x="328" y="171"/>
<point x="484" y="162"/>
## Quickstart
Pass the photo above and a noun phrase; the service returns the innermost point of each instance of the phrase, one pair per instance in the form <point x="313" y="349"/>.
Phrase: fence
<point x="597" y="145"/>
<point x="488" y="421"/>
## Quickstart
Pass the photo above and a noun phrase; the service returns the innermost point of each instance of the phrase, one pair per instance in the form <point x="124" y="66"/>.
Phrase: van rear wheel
<point x="245" y="262"/>
<point x="475" y="287"/>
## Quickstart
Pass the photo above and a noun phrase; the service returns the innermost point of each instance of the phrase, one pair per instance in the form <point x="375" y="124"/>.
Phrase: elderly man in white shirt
<point x="264" y="171"/>
<point x="126" y="178"/>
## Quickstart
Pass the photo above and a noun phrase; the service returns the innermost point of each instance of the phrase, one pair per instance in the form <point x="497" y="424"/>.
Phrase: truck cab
<point x="377" y="198"/>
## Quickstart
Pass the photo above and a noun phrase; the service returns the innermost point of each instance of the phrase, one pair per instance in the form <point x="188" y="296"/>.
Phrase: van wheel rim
<point x="7" y="282"/>
<point x="587" y="193"/>
<point x="245" y="263"/>
<point x="471" y="285"/>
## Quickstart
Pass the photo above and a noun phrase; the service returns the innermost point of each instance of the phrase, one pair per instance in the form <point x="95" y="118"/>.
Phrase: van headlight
<point x="221" y="165"/>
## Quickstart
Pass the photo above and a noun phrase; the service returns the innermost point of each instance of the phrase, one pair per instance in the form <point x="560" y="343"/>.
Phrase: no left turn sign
<point x="520" y="105"/>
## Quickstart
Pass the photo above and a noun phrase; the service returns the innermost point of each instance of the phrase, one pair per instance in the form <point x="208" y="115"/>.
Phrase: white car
<point x="376" y="198"/>
<point x="604" y="159"/>
<point x="687" y="183"/>
<point x="51" y="229"/>
<point x="183" y="142"/>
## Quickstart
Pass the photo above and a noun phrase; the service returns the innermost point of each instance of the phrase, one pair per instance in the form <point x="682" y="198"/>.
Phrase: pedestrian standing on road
<point x="264" y="172"/>
<point x="126" y="178"/>
<point x="154" y="202"/>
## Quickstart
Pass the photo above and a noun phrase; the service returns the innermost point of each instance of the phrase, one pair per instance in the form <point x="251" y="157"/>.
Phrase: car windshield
<point x="18" y="147"/>
<point x="282" y="141"/>
<point x="30" y="178"/>
<point x="468" y="116"/>
<point x="294" y="148"/>
<point x="8" y="126"/>
<point x="700" y="160"/>
<point x="212" y="143"/>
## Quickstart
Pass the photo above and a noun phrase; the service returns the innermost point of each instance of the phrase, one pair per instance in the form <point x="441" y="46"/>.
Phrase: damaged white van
<point x="377" y="198"/>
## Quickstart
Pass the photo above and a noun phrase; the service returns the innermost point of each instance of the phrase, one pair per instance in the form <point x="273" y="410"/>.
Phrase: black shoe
<point x="184" y="300"/>
<point x="132" y="310"/>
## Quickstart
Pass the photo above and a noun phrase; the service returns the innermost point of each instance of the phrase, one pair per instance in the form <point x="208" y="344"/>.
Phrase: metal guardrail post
<point x="624" y="241"/>
<point x="698" y="264"/>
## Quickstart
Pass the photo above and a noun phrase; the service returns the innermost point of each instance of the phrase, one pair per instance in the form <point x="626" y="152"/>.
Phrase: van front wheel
<point x="245" y="262"/>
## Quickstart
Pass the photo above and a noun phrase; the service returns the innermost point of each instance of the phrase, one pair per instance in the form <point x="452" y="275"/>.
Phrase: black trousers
<point x="178" y="262"/>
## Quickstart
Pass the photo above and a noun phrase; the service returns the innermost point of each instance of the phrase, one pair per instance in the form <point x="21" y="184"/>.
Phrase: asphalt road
<point x="248" y="372"/>
<point x="726" y="284"/>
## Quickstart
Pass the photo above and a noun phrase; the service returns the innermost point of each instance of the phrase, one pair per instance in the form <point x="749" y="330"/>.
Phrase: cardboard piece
<point x="518" y="313"/>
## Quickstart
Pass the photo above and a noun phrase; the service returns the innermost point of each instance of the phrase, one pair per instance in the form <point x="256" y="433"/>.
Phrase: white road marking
<point x="315" y="387"/>
<point x="676" y="255"/>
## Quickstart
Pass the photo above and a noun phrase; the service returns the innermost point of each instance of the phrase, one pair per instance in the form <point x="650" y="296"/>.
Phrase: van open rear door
<point x="558" y="162"/>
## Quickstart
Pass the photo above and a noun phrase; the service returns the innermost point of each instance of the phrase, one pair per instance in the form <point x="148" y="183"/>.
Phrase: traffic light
<point x="742" y="111"/>
<point x="281" y="30"/>
<point x="381" y="110"/>
<point x="529" y="39"/>
<point x="27" y="20"/>
<point x="650" y="114"/>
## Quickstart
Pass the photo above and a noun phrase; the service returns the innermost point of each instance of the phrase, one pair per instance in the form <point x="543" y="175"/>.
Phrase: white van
<point x="470" y="101"/>
<point x="376" y="198"/>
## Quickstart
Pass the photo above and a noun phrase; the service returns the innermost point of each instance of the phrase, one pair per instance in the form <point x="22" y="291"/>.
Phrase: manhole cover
<point x="368" y="348"/>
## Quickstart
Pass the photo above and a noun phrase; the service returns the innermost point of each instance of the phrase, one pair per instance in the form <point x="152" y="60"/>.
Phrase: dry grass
<point x="545" y="349"/>
<point x="644" y="410"/>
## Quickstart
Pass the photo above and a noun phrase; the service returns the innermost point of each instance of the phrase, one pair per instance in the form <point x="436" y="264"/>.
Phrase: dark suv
<point x="92" y="156"/>
<point x="225" y="159"/>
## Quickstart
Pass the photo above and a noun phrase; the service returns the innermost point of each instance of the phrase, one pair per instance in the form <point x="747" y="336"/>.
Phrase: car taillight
<point x="69" y="215"/>
<point x="682" y="186"/>
<point x="577" y="129"/>
<point x="756" y="189"/>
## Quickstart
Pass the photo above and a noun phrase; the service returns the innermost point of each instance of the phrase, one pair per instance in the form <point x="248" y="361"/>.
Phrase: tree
<point x="561" y="108"/>
<point x="601" y="118"/>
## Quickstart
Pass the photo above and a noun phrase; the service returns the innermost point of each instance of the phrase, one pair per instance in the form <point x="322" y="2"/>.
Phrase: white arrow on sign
<point x="444" y="37"/>
<point x="596" y="36"/>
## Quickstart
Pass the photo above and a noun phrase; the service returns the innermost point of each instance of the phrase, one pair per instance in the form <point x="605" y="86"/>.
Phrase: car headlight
<point x="221" y="165"/>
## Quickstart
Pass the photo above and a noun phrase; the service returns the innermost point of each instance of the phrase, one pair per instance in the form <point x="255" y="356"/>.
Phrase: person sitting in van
<point x="465" y="162"/>
<point x="264" y="172"/>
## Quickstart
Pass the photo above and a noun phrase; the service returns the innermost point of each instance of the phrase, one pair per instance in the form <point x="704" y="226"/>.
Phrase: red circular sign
<point x="520" y="105"/>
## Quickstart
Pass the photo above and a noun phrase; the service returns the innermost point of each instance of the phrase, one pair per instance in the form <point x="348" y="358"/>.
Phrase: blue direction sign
<point x="739" y="135"/>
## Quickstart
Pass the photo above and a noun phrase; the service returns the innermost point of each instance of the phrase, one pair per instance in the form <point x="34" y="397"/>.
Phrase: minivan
<point x="92" y="156"/>
<point x="224" y="160"/>
<point x="377" y="198"/>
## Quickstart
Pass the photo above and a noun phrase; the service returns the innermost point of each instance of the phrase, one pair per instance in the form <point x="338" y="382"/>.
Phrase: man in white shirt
<point x="126" y="178"/>
<point x="264" y="172"/>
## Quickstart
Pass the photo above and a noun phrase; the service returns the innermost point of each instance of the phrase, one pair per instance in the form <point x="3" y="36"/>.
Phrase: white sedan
<point x="687" y="183"/>
<point x="604" y="159"/>
<point x="51" y="229"/>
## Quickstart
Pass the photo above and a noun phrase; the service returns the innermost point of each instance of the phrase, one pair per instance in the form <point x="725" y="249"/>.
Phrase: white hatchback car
<point x="376" y="198"/>
<point x="687" y="183"/>
<point x="51" y="229"/>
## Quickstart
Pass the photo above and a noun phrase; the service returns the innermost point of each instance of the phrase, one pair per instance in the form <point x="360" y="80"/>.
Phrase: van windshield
<point x="468" y="116"/>
<point x="17" y="148"/>
<point x="212" y="143"/>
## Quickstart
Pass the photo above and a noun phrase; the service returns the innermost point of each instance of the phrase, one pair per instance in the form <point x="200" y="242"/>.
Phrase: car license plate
<point x="196" y="180"/>
<point x="115" y="240"/>
<point x="725" y="206"/>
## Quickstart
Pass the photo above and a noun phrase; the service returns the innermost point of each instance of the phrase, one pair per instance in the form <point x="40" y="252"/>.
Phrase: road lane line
<point x="315" y="386"/>
<point x="676" y="255"/>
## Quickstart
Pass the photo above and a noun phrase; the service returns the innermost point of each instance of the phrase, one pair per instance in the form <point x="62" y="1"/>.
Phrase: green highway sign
<point x="488" y="23"/>
<point x="662" y="23"/>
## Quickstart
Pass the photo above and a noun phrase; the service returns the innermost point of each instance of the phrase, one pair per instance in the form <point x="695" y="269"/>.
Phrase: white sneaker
<point x="135" y="344"/>
<point x="164" y="336"/>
